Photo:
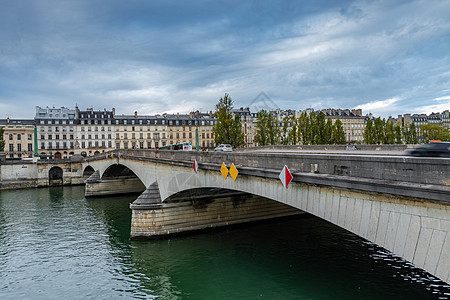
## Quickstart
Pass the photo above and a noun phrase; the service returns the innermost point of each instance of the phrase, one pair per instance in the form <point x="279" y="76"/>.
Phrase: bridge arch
<point x="55" y="176"/>
<point x="88" y="171"/>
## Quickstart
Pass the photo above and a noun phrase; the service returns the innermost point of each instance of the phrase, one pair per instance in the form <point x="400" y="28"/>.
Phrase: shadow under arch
<point x="55" y="176"/>
<point x="88" y="171"/>
<point x="122" y="180"/>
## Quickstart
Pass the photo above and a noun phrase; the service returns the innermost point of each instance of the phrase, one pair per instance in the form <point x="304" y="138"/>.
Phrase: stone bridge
<point x="399" y="203"/>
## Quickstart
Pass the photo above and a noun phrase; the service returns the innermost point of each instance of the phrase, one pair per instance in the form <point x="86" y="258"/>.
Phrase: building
<point x="441" y="119"/>
<point x="140" y="132"/>
<point x="19" y="137"/>
<point x="353" y="123"/>
<point x="94" y="131"/>
<point x="248" y="121"/>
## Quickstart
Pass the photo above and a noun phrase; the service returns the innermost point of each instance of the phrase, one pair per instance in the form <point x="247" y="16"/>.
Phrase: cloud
<point x="154" y="56"/>
<point x="379" y="107"/>
<point x="442" y="98"/>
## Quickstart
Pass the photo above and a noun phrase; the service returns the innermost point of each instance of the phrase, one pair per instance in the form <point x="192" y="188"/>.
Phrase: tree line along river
<point x="56" y="244"/>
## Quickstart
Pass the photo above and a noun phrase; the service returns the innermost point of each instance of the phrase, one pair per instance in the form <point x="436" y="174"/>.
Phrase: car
<point x="436" y="149"/>
<point x="224" y="147"/>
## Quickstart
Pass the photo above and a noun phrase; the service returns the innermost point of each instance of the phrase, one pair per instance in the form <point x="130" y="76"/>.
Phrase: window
<point x="10" y="137"/>
<point x="30" y="137"/>
<point x="11" y="147"/>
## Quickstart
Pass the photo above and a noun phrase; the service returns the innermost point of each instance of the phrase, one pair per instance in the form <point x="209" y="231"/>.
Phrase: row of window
<point x="19" y="136"/>
<point x="57" y="137"/>
<point x="18" y="147"/>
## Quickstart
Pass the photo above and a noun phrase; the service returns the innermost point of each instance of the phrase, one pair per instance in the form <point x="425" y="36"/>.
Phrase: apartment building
<point x="56" y="131"/>
<point x="94" y="131"/>
<point x="353" y="123"/>
<point x="248" y="121"/>
<point x="18" y="135"/>
<point x="140" y="131"/>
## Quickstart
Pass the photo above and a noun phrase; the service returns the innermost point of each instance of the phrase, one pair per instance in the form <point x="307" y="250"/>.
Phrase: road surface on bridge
<point x="338" y="152"/>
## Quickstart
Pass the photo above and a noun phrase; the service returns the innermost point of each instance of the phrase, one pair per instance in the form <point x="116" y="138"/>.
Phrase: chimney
<point x="7" y="120"/>
<point x="135" y="114"/>
<point x="113" y="111"/>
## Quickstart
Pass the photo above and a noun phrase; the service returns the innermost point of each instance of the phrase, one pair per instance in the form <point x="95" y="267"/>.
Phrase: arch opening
<point x="55" y="175"/>
<point x="120" y="179"/>
<point x="88" y="171"/>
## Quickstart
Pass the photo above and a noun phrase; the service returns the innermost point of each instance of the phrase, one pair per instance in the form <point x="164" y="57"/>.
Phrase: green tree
<point x="303" y="128"/>
<point x="2" y="142"/>
<point x="267" y="129"/>
<point x="328" y="132"/>
<point x="389" y="134"/>
<point x="379" y="130"/>
<point x="369" y="133"/>
<point x="338" y="134"/>
<point x="285" y="131"/>
<point x="398" y="134"/>
<point x="293" y="135"/>
<point x="228" y="129"/>
<point x="320" y="129"/>
<point x="434" y="132"/>
<point x="410" y="134"/>
<point x="313" y="130"/>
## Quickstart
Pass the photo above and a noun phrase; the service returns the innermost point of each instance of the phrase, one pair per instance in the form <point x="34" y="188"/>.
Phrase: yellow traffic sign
<point x="233" y="172"/>
<point x="224" y="170"/>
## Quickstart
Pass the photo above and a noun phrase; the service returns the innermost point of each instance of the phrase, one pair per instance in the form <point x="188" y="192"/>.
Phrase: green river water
<point x="55" y="244"/>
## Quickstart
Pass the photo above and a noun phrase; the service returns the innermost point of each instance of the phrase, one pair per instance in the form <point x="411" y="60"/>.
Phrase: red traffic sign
<point x="285" y="176"/>
<point x="195" y="166"/>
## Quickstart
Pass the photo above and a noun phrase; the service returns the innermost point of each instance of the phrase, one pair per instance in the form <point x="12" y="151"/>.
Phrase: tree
<point x="434" y="132"/>
<point x="320" y="129"/>
<point x="285" y="130"/>
<point x="410" y="134"/>
<point x="369" y="133"/>
<point x="303" y="128"/>
<point x="293" y="134"/>
<point x="327" y="132"/>
<point x="389" y="134"/>
<point x="313" y="130"/>
<point x="338" y="134"/>
<point x="2" y="142"/>
<point x="398" y="134"/>
<point x="267" y="129"/>
<point x="228" y="129"/>
<point x="379" y="130"/>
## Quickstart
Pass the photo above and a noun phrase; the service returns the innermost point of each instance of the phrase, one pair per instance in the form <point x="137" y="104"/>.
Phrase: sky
<point x="386" y="57"/>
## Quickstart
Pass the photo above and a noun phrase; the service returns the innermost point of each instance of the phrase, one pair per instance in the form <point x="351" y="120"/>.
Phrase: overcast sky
<point x="387" y="57"/>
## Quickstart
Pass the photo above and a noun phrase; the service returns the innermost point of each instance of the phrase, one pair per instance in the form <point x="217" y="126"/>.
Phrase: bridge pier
<point x="153" y="218"/>
<point x="95" y="186"/>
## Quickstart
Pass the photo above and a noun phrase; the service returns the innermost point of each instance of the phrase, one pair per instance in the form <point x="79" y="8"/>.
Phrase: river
<point x="55" y="244"/>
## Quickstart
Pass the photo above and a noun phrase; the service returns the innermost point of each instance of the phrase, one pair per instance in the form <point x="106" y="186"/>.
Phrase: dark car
<point x="438" y="149"/>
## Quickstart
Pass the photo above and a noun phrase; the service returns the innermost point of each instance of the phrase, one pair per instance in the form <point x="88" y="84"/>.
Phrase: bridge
<point x="400" y="203"/>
